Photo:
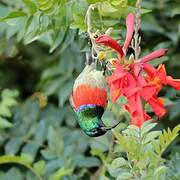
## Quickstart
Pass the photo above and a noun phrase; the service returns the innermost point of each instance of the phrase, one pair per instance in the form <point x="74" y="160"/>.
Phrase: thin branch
<point x="95" y="49"/>
<point x="137" y="38"/>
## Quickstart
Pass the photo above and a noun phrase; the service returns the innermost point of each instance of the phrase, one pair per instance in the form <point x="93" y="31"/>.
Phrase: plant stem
<point x="137" y="38"/>
<point x="95" y="49"/>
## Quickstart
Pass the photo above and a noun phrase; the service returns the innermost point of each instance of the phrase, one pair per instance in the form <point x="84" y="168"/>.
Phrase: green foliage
<point x="7" y="101"/>
<point x="143" y="150"/>
<point x="26" y="161"/>
<point x="173" y="165"/>
<point x="42" y="51"/>
<point x="48" y="19"/>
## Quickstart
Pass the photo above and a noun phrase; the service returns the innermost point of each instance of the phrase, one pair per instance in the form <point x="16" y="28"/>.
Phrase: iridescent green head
<point x="89" y="119"/>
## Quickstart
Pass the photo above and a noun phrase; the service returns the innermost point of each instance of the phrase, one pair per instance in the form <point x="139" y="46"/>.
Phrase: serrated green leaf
<point x="151" y="136"/>
<point x="176" y="129"/>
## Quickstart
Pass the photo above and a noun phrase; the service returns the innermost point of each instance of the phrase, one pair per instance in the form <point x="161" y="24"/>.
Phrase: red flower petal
<point x="150" y="70"/>
<point x="137" y="68"/>
<point x="130" y="29"/>
<point x="157" y="106"/>
<point x="148" y="91"/>
<point x="137" y="114"/>
<point x="156" y="54"/>
<point x="115" y="77"/>
<point x="129" y="91"/>
<point x="146" y="116"/>
<point x="161" y="73"/>
<point x="173" y="82"/>
<point x="110" y="42"/>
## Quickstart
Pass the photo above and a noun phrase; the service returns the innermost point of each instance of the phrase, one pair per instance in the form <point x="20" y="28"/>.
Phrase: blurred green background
<point x="42" y="50"/>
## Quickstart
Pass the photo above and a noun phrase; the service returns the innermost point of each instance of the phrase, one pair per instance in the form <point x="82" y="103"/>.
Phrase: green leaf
<point x="116" y="171"/>
<point x="132" y="130"/>
<point x="39" y="167"/>
<point x="160" y="171"/>
<point x="106" y="9"/>
<point x="118" y="3"/>
<point x="98" y="153"/>
<point x="12" y="172"/>
<point x="58" y="40"/>
<point x="13" y="145"/>
<point x="176" y="129"/>
<point x="119" y="162"/>
<point x="19" y="160"/>
<point x="61" y="173"/>
<point x="81" y="161"/>
<point x="65" y="92"/>
<point x="167" y="137"/>
<point x="12" y="15"/>
<point x="124" y="175"/>
<point x="151" y="136"/>
<point x="147" y="126"/>
<point x="26" y="158"/>
<point x="4" y="123"/>
<point x="55" y="141"/>
<point x="31" y="6"/>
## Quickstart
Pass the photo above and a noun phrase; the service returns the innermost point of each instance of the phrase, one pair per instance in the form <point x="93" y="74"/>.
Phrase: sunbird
<point x="89" y="100"/>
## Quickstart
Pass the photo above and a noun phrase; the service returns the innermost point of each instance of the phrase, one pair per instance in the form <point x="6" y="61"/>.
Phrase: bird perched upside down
<point x="89" y="99"/>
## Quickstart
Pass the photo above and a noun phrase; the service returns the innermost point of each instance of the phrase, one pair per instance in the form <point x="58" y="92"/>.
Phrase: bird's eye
<point x="94" y="130"/>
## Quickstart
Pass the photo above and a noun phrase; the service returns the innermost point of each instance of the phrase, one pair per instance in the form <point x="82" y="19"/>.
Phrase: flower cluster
<point x="137" y="80"/>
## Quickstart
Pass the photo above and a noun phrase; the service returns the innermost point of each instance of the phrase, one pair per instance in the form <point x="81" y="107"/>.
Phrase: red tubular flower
<point x="127" y="79"/>
<point x="156" y="79"/>
<point x="136" y="110"/>
<point x="173" y="82"/>
<point x="155" y="54"/>
<point x="115" y="82"/>
<point x="159" y="77"/>
<point x="121" y="83"/>
<point x="110" y="42"/>
<point x="157" y="105"/>
<point x="130" y="29"/>
<point x="143" y="62"/>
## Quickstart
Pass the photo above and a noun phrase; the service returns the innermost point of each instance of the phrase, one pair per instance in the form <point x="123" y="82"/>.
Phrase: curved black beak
<point x="105" y="128"/>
